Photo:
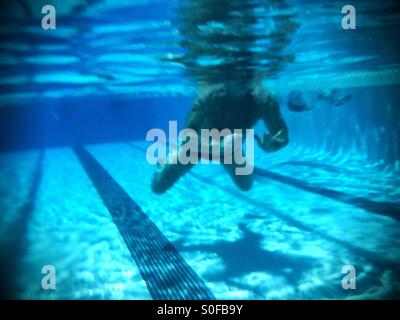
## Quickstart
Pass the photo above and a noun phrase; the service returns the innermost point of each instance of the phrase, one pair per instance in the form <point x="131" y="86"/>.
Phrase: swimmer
<point x="230" y="92"/>
<point x="225" y="106"/>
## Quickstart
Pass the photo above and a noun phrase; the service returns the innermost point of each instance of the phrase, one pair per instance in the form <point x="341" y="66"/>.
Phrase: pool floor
<point x="89" y="212"/>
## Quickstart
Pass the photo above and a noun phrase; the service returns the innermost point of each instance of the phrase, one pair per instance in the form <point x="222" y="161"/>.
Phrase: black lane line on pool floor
<point x="382" y="208"/>
<point x="14" y="248"/>
<point x="166" y="273"/>
<point x="379" y="261"/>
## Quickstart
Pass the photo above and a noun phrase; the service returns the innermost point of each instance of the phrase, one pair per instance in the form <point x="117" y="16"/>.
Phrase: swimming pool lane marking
<point x="382" y="208"/>
<point x="366" y="254"/>
<point x="161" y="264"/>
<point x="372" y="257"/>
<point x="388" y="209"/>
<point x="380" y="262"/>
<point x="13" y="252"/>
<point x="166" y="273"/>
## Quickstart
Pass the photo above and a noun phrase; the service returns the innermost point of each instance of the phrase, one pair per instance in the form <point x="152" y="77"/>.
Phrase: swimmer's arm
<point x="195" y="116"/>
<point x="277" y="136"/>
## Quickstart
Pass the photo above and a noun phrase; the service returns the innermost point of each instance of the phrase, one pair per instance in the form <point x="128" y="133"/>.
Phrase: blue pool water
<point x="76" y="104"/>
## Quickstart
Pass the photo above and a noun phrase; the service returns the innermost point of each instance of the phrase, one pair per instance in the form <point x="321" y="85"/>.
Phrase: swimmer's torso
<point x="222" y="107"/>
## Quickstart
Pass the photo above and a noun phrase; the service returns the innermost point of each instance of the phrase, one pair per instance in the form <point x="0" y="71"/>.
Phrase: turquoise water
<point x="76" y="104"/>
<point x="276" y="242"/>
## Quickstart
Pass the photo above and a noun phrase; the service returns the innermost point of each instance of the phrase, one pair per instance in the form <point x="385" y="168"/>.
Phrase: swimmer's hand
<point x="271" y="143"/>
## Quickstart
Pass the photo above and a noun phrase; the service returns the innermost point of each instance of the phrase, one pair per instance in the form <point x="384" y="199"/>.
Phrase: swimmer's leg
<point x="243" y="182"/>
<point x="166" y="176"/>
<point x="169" y="173"/>
<point x="277" y="136"/>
